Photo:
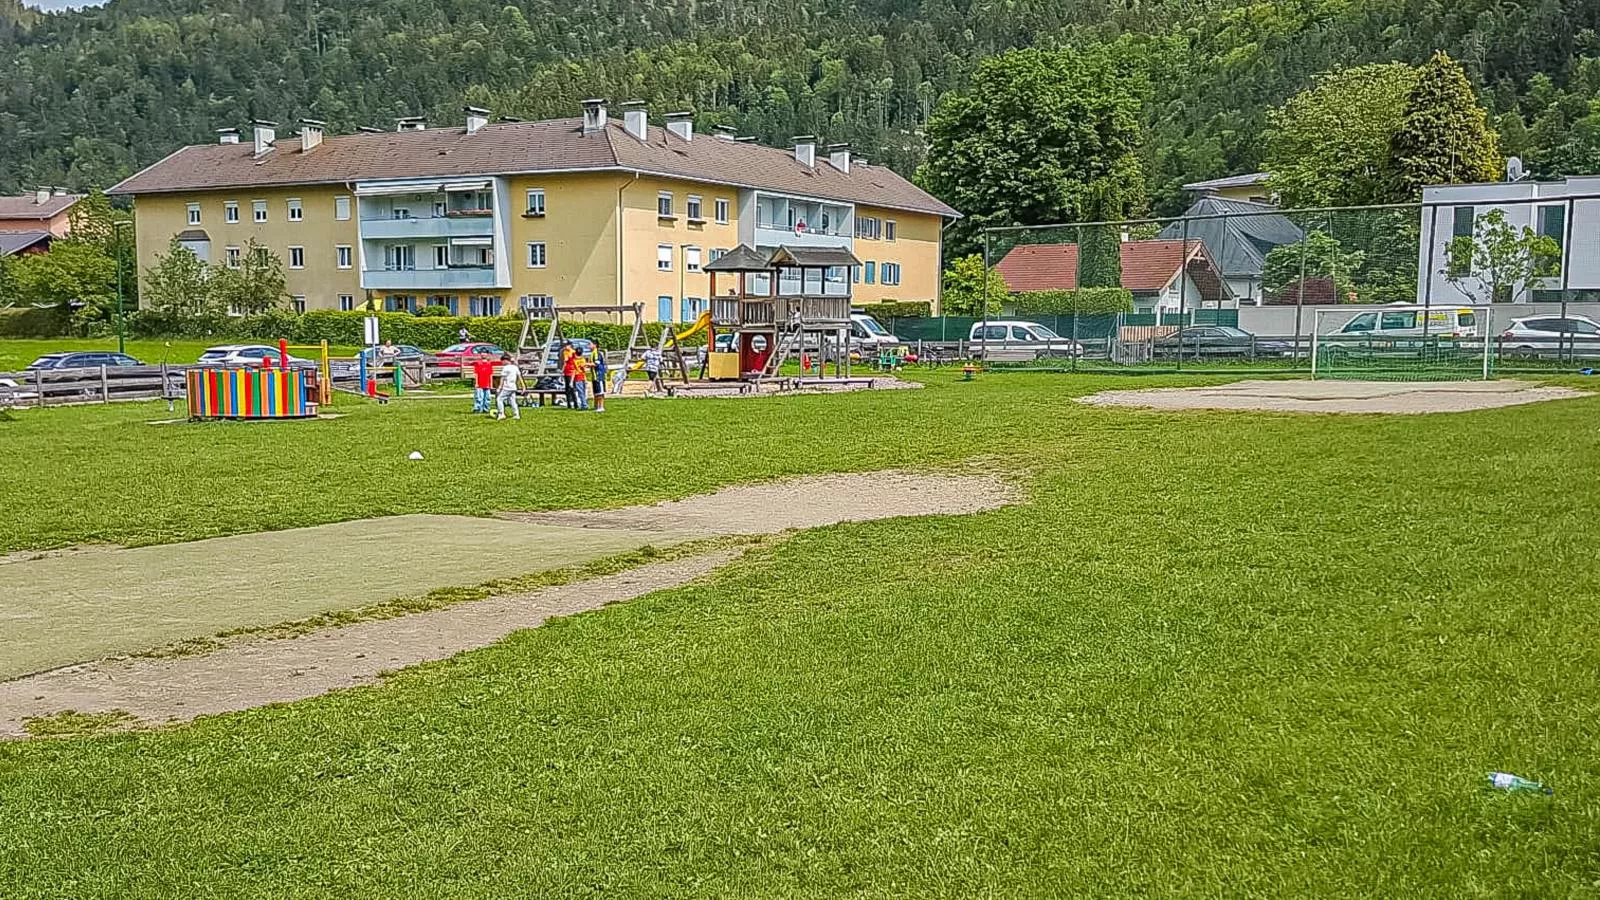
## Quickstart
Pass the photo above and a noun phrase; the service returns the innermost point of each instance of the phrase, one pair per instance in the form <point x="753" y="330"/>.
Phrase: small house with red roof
<point x="1164" y="275"/>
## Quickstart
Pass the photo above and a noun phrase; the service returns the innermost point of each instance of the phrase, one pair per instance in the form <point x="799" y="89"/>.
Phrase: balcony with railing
<point x="422" y="227"/>
<point x="461" y="277"/>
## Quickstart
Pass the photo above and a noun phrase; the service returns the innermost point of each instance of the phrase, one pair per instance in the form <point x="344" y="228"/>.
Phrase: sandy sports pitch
<point x="1403" y="397"/>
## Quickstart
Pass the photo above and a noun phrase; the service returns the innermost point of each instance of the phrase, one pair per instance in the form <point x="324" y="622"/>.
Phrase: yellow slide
<point x="700" y="324"/>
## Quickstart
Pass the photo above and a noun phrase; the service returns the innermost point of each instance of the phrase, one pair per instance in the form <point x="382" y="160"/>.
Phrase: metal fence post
<point x="105" y="385"/>
<point x="1567" y="336"/>
<point x="1300" y="303"/>
<point x="1183" y="290"/>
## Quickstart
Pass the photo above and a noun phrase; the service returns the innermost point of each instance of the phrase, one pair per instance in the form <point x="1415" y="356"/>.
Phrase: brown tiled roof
<point x="516" y="147"/>
<point x="1147" y="266"/>
<point x="27" y="206"/>
<point x="12" y="242"/>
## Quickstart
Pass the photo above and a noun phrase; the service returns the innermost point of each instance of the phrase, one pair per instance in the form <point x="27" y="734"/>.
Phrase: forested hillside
<point x="89" y="96"/>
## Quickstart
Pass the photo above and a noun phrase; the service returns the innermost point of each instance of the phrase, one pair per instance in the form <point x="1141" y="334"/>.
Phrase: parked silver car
<point x="1537" y="336"/>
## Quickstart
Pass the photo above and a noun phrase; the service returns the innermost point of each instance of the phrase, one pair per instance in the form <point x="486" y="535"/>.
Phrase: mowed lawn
<point x="1212" y="654"/>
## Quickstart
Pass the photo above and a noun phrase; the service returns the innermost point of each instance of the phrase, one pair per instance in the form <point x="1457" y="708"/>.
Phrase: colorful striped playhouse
<point x="250" y="394"/>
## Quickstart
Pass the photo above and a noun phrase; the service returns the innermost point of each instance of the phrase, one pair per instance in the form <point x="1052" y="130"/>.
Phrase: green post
<point x="116" y="234"/>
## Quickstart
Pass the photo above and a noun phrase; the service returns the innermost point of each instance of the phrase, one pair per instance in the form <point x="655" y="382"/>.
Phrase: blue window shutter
<point x="664" y="308"/>
<point x="872" y="271"/>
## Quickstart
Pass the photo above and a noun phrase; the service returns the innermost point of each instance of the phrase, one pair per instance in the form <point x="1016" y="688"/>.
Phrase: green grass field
<point x="1212" y="654"/>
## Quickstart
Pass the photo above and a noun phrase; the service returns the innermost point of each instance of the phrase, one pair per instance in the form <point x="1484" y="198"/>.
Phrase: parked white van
<point x="1411" y="321"/>
<point x="867" y="336"/>
<point x="1011" y="340"/>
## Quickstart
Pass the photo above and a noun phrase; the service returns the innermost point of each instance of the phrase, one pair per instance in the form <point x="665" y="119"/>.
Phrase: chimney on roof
<point x="311" y="132"/>
<point x="266" y="135"/>
<point x="594" y="116"/>
<point x="61" y="192"/>
<point x="805" y="150"/>
<point x="681" y="124"/>
<point x="839" y="157"/>
<point x="477" y="117"/>
<point x="41" y="196"/>
<point x="410" y="123"/>
<point x="227" y="135"/>
<point x="722" y="132"/>
<point x="635" y="120"/>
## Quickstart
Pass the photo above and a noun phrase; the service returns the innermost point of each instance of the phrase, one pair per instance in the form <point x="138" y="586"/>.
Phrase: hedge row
<point x="432" y="332"/>
<point x="898" y="309"/>
<point x="30" y="322"/>
<point x="1090" y="300"/>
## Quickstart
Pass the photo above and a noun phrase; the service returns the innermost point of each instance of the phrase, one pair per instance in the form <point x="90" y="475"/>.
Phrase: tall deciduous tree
<point x="179" y="284"/>
<point x="1499" y="262"/>
<point x="254" y="286"/>
<point x="75" y="275"/>
<point x="972" y="288"/>
<point x="1034" y="138"/>
<point x="1329" y="144"/>
<point x="1444" y="136"/>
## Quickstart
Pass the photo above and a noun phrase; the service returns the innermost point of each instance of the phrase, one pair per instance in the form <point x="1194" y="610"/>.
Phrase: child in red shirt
<point x="483" y="384"/>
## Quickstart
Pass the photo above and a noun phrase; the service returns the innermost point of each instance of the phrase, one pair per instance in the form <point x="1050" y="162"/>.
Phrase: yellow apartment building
<point x="598" y="210"/>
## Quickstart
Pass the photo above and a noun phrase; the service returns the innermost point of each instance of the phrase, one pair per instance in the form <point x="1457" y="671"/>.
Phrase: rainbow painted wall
<point x="250" y="394"/>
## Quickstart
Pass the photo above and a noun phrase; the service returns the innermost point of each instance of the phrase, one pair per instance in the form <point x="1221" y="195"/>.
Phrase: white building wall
<point x="1520" y="202"/>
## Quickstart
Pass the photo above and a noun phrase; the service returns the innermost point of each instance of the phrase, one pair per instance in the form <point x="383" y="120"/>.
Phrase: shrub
<point x="1083" y="301"/>
<point x="898" y="309"/>
<point x="435" y="311"/>
<point x="35" y="322"/>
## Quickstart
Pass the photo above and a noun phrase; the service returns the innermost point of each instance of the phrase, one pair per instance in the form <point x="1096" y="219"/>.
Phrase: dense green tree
<point x="1444" y="137"/>
<point x="254" y="286"/>
<point x="1289" y="269"/>
<point x="972" y="288"/>
<point x="1329" y="144"/>
<point x="1100" y="252"/>
<point x="1039" y="137"/>
<point x="179" y="284"/>
<point x="74" y="275"/>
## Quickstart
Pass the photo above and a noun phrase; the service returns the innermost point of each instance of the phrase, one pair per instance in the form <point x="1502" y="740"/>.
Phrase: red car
<point x="457" y="355"/>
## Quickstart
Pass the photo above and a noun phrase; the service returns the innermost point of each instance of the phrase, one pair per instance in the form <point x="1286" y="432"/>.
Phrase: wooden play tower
<point x="781" y="303"/>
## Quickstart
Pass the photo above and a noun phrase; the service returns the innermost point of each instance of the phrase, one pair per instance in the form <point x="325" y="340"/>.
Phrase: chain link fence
<point x="1239" y="284"/>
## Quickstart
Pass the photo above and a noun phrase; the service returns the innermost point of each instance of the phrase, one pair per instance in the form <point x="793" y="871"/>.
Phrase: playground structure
<point x="280" y="391"/>
<point x="770" y="325"/>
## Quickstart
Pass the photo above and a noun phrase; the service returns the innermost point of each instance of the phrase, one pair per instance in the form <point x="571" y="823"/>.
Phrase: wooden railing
<point x="814" y="310"/>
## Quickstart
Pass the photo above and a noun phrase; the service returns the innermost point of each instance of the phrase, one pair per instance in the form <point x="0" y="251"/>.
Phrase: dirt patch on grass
<point x="147" y="691"/>
<point x="1404" y="398"/>
<point x="798" y="503"/>
<point x="261" y="667"/>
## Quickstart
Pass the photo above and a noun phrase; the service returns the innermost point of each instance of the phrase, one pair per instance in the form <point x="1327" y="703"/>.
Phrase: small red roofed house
<point x="1162" y="275"/>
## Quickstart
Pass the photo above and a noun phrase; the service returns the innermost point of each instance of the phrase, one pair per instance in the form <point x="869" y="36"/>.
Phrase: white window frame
<point x="297" y="257"/>
<point x="692" y="259"/>
<point x="230" y="211"/>
<point x="298" y="303"/>
<point x="535" y="207"/>
<point x="537" y="255"/>
<point x="341" y="208"/>
<point x="664" y="205"/>
<point x="663" y="257"/>
<point x="889" y="230"/>
<point x="694" y="208"/>
<point x="344" y="256"/>
<point x="258" y="210"/>
<point x="441" y="256"/>
<point x="722" y="208"/>
<point x="232" y="257"/>
<point x="297" y="211"/>
<point x="347" y="302"/>
<point x="194" y="213"/>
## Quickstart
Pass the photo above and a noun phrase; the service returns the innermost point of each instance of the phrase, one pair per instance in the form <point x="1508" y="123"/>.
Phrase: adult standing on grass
<point x="482" y="384"/>
<point x="652" y="368"/>
<point x="510" y="376"/>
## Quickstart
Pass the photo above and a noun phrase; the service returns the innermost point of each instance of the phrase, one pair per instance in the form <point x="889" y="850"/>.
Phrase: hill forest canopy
<point x="92" y="95"/>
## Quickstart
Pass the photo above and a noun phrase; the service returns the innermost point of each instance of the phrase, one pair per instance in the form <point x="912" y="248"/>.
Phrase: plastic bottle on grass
<point x="1505" y="781"/>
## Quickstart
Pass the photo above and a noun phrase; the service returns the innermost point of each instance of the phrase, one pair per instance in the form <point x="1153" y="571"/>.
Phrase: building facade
<point x="44" y="211"/>
<point x="1566" y="211"/>
<point x="599" y="210"/>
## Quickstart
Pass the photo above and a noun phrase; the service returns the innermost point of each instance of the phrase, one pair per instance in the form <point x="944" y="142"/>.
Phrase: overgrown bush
<point x="898" y="309"/>
<point x="35" y="322"/>
<point x="1083" y="301"/>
